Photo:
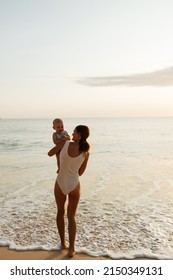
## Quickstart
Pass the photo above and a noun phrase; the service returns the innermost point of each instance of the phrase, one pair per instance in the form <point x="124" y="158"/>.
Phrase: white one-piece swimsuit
<point x="68" y="176"/>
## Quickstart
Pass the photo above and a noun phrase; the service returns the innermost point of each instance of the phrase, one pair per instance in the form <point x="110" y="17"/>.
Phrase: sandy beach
<point x="125" y="210"/>
<point x="7" y="254"/>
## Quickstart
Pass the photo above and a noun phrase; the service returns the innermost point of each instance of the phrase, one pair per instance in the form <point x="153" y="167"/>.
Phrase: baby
<point x="59" y="135"/>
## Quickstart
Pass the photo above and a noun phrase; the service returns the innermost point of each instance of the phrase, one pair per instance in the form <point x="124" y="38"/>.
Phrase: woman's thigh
<point x="74" y="197"/>
<point x="60" y="198"/>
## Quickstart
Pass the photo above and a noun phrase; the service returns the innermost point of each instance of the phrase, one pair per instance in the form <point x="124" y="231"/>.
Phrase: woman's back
<point x="70" y="162"/>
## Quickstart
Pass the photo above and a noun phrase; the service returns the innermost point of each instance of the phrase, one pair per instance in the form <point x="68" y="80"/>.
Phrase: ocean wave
<point x="114" y="230"/>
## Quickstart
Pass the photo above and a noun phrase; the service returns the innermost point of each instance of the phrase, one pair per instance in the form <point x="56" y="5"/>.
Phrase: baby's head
<point x="58" y="125"/>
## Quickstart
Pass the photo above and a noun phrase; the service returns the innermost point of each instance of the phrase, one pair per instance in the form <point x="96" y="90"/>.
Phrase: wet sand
<point x="7" y="254"/>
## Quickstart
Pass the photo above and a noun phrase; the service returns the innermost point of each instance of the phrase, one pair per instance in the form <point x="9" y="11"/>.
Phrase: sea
<point x="126" y="204"/>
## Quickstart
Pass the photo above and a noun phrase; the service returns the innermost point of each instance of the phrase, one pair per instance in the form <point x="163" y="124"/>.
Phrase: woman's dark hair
<point x="84" y="132"/>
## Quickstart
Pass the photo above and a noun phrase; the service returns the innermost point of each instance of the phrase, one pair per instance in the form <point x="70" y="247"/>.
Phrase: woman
<point x="73" y="161"/>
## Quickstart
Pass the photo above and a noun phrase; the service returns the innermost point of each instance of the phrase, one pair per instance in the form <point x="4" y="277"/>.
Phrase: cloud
<point x="160" y="78"/>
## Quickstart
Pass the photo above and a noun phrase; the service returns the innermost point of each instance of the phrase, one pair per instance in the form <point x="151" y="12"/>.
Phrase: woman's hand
<point x="52" y="152"/>
<point x="55" y="150"/>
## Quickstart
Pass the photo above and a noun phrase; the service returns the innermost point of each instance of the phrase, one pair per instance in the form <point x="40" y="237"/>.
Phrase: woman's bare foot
<point x="71" y="253"/>
<point x="64" y="246"/>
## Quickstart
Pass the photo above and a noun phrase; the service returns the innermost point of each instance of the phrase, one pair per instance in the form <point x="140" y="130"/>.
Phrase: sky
<point x="78" y="58"/>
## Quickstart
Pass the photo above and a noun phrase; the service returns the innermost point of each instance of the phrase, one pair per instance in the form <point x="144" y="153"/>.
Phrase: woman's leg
<point x="60" y="202"/>
<point x="58" y="162"/>
<point x="71" y="211"/>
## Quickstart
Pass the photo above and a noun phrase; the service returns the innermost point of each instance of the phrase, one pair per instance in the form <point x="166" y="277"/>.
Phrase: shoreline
<point x="10" y="254"/>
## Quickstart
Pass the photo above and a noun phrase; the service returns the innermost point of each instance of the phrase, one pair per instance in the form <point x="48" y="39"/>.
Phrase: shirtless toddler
<point x="59" y="135"/>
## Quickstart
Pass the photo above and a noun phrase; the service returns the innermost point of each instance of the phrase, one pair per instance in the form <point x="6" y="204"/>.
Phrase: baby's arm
<point x="66" y="136"/>
<point x="54" y="138"/>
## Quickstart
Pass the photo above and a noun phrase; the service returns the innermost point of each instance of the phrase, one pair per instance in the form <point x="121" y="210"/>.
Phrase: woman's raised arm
<point x="55" y="150"/>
